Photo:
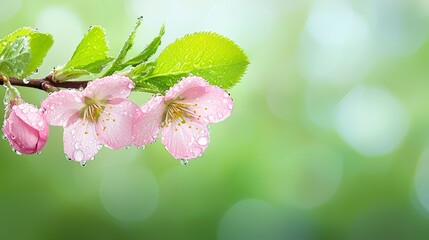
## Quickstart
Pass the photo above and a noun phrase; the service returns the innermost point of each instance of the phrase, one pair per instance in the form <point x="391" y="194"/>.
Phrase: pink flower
<point x="25" y="127"/>
<point x="99" y="115"/>
<point x="183" y="114"/>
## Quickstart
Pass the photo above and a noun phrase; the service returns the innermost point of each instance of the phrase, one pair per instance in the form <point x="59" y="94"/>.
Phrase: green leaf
<point x="209" y="55"/>
<point x="138" y="74"/>
<point x="39" y="44"/>
<point x="15" y="57"/>
<point x="117" y="63"/>
<point x="148" y="51"/>
<point x="90" y="56"/>
<point x="70" y="73"/>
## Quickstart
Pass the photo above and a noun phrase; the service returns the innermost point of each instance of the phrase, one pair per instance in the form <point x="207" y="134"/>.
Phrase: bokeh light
<point x="328" y="138"/>
<point x="371" y="120"/>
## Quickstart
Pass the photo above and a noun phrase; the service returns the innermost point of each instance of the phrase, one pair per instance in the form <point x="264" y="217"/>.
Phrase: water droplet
<point x="131" y="85"/>
<point x="141" y="147"/>
<point x="76" y="146"/>
<point x="78" y="99"/>
<point x="40" y="123"/>
<point x="4" y="137"/>
<point x="42" y="110"/>
<point x="39" y="152"/>
<point x="144" y="108"/>
<point x="17" y="152"/>
<point x="21" y="106"/>
<point x="78" y="155"/>
<point x="230" y="106"/>
<point x="68" y="158"/>
<point x="81" y="89"/>
<point x="26" y="80"/>
<point x="34" y="110"/>
<point x="203" y="141"/>
<point x="13" y="137"/>
<point x="184" y="162"/>
<point x="220" y="115"/>
<point x="83" y="163"/>
<point x="211" y="118"/>
<point x="127" y="147"/>
<point x="139" y="18"/>
<point x="99" y="146"/>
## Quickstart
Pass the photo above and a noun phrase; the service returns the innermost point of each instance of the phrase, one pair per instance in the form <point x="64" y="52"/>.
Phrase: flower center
<point x="178" y="109"/>
<point x="92" y="109"/>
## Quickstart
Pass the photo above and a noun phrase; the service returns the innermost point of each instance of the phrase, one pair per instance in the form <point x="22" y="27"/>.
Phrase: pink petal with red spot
<point x="115" y="125"/>
<point x="147" y="122"/>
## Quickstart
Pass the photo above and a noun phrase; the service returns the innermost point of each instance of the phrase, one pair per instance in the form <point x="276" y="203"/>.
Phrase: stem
<point x="46" y="84"/>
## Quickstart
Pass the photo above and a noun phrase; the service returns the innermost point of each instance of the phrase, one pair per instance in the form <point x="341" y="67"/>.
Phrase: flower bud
<point x="25" y="127"/>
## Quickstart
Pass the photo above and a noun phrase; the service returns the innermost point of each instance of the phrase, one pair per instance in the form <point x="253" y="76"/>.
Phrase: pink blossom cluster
<point x="102" y="115"/>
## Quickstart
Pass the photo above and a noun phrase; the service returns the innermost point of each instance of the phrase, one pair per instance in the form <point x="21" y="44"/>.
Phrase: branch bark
<point x="46" y="84"/>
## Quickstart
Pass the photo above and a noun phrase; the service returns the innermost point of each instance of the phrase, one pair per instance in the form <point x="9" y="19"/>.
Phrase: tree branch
<point x="46" y="84"/>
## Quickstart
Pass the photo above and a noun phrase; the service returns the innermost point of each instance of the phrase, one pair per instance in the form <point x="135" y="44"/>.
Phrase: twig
<point x="46" y="84"/>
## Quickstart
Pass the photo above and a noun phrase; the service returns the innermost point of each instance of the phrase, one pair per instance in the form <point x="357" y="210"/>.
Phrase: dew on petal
<point x="203" y="141"/>
<point x="144" y="108"/>
<point x="184" y="162"/>
<point x="131" y="85"/>
<point x="40" y="123"/>
<point x="78" y="155"/>
<point x="84" y="163"/>
<point x="230" y="106"/>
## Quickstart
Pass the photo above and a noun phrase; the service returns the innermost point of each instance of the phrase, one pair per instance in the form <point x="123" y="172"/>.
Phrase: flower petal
<point x="31" y="115"/>
<point x="185" y="141"/>
<point x="80" y="142"/>
<point x="193" y="86"/>
<point x="60" y="108"/>
<point x="115" y="124"/>
<point x="109" y="88"/>
<point x="21" y="136"/>
<point x="147" y="122"/>
<point x="215" y="105"/>
<point x="209" y="103"/>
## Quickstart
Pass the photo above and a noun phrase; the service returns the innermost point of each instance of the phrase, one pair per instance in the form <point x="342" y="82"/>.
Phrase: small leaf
<point x="209" y="55"/>
<point x="90" y="56"/>
<point x="117" y="63"/>
<point x="39" y="45"/>
<point x="15" y="57"/>
<point x="138" y="74"/>
<point x="148" y="51"/>
<point x="70" y="73"/>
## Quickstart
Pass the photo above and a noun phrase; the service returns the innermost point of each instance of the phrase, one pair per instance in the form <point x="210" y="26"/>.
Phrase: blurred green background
<point x="329" y="138"/>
